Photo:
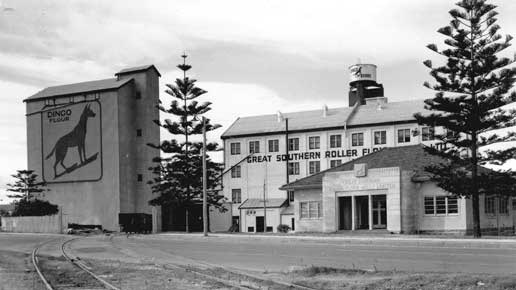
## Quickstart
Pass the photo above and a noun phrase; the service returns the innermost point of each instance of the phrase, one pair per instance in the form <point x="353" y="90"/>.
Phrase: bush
<point x="34" y="207"/>
<point x="283" y="228"/>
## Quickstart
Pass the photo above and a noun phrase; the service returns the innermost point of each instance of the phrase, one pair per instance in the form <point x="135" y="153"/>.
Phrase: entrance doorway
<point x="260" y="227"/>
<point x="362" y="212"/>
<point x="345" y="213"/>
<point x="379" y="211"/>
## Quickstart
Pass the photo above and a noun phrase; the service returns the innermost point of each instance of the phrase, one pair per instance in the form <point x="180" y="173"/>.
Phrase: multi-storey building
<point x="88" y="142"/>
<point x="268" y="151"/>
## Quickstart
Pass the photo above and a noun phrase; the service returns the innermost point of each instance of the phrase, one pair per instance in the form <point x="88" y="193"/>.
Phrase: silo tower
<point x="362" y="84"/>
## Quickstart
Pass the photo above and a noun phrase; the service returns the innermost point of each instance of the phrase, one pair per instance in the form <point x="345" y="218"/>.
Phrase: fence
<point x="33" y="224"/>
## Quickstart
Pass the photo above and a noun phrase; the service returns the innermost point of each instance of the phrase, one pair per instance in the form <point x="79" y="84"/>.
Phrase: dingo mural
<point x="63" y="130"/>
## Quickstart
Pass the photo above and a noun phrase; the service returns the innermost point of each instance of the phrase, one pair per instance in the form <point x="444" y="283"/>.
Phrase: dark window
<point x="236" y="172"/>
<point x="403" y="135"/>
<point x="427" y="134"/>
<point x="380" y="137"/>
<point x="314" y="142"/>
<point x="357" y="139"/>
<point x="139" y="132"/>
<point x="489" y="205"/>
<point x="314" y="167"/>
<point x="335" y="141"/>
<point x="274" y="145"/>
<point x="293" y="168"/>
<point x="236" y="195"/>
<point x="140" y="177"/>
<point x="503" y="205"/>
<point x="290" y="195"/>
<point x="138" y="95"/>
<point x="335" y="163"/>
<point x="293" y="144"/>
<point x="254" y="146"/>
<point x="235" y="148"/>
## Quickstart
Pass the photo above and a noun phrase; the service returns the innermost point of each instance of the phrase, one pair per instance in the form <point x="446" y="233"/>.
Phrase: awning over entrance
<point x="258" y="203"/>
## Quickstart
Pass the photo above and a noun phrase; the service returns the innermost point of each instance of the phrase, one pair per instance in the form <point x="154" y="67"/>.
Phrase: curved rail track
<point x="73" y="260"/>
<point x="230" y="277"/>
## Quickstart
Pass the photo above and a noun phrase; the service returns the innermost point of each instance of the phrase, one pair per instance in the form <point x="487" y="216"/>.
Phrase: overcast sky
<point x="253" y="57"/>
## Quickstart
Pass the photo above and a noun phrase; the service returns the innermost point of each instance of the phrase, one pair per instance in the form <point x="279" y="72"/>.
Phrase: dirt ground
<point x="17" y="273"/>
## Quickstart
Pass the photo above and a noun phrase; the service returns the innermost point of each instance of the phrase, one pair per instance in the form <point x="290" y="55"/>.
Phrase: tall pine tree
<point x="178" y="173"/>
<point x="25" y="186"/>
<point x="472" y="88"/>
<point x="28" y="191"/>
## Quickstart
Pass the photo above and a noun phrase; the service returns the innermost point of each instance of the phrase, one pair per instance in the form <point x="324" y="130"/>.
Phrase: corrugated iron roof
<point x="258" y="203"/>
<point x="336" y="117"/>
<point x="77" y="88"/>
<point x="412" y="158"/>
<point x="137" y="69"/>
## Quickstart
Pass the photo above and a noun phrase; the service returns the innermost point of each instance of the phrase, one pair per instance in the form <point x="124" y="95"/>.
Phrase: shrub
<point x="283" y="228"/>
<point x="34" y="207"/>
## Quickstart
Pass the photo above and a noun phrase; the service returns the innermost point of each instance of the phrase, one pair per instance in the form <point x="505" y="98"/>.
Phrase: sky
<point x="253" y="57"/>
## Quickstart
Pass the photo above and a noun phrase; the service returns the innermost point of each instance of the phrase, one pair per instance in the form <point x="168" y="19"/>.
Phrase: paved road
<point x="279" y="254"/>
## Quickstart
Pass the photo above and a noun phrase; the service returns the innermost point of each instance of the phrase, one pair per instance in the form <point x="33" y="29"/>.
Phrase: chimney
<point x="325" y="111"/>
<point x="378" y="101"/>
<point x="280" y="117"/>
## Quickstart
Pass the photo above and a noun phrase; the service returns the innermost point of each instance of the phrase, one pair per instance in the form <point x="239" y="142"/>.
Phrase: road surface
<point x="272" y="254"/>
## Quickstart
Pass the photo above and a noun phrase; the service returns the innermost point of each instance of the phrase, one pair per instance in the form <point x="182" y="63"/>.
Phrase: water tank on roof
<point x="362" y="83"/>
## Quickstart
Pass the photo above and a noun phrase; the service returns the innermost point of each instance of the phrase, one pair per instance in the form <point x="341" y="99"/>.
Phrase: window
<point x="314" y="142"/>
<point x="453" y="205"/>
<point x="274" y="145"/>
<point x="380" y="137"/>
<point x="427" y="134"/>
<point x="310" y="209"/>
<point x="235" y="148"/>
<point x="314" y="167"/>
<point x="236" y="172"/>
<point x="503" y="203"/>
<point x="335" y="163"/>
<point x="236" y="195"/>
<point x="254" y="146"/>
<point x="293" y="144"/>
<point x="441" y="205"/>
<point x="335" y="141"/>
<point x="139" y="132"/>
<point x="138" y="95"/>
<point x="403" y="135"/>
<point x="293" y="168"/>
<point x="290" y="194"/>
<point x="489" y="205"/>
<point x="139" y="177"/>
<point x="357" y="139"/>
<point x="514" y="203"/>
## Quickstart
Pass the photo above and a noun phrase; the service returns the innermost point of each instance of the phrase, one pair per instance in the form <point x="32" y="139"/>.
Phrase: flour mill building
<point x="88" y="143"/>
<point x="271" y="157"/>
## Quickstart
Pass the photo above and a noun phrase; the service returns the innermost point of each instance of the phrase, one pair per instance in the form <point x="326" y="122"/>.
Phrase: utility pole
<point x="204" y="180"/>
<point x="264" y="200"/>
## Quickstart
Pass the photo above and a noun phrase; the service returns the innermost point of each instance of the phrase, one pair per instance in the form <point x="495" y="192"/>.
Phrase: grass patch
<point x="322" y="270"/>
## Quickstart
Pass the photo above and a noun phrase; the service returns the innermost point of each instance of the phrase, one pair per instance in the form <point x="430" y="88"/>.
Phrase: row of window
<point x="293" y="168"/>
<point x="490" y="205"/>
<point x="441" y="205"/>
<point x="236" y="195"/>
<point x="314" y="142"/>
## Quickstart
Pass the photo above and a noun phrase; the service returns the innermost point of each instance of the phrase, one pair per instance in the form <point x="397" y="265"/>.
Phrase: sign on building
<point x="71" y="142"/>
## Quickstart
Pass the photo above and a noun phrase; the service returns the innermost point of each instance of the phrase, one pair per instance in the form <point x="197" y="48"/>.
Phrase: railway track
<point x="77" y="270"/>
<point x="70" y="272"/>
